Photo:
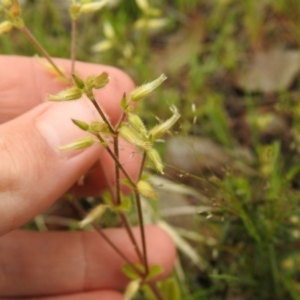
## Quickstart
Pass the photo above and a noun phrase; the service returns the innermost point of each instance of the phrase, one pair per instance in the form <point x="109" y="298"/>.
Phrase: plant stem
<point x="142" y="164"/>
<point x="117" y="169"/>
<point x="112" y="154"/>
<point x="101" y="113"/>
<point x="118" y="197"/>
<point x="104" y="236"/>
<point x="131" y="236"/>
<point x="142" y="229"/>
<point x="40" y="48"/>
<point x="152" y="284"/>
<point x="156" y="291"/>
<point x="138" y="204"/>
<point x="73" y="45"/>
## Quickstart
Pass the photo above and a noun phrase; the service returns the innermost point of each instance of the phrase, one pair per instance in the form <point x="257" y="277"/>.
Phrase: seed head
<point x="73" y="93"/>
<point x="93" y="6"/>
<point x="161" y="129"/>
<point x="131" y="289"/>
<point x="133" y="138"/>
<point x="155" y="159"/>
<point x="82" y="143"/>
<point x="6" y="26"/>
<point x="146" y="190"/>
<point x="94" y="214"/>
<point x="136" y="122"/>
<point x="108" y="31"/>
<point x="102" y="46"/>
<point x="144" y="90"/>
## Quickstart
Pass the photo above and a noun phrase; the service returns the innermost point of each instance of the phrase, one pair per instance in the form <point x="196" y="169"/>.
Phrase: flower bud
<point x="94" y="214"/>
<point x="102" y="46"/>
<point x="98" y="127"/>
<point x="162" y="128"/>
<point x="15" y="8"/>
<point x="136" y="122"/>
<point x="155" y="159"/>
<point x="66" y="95"/>
<point x="6" y="3"/>
<point x="145" y="189"/>
<point x="5" y="26"/>
<point x="78" y="81"/>
<point x="131" y="289"/>
<point x="144" y="90"/>
<point x="108" y="30"/>
<point x="133" y="138"/>
<point x="82" y="143"/>
<point x="143" y="5"/>
<point x="75" y="11"/>
<point x="101" y="80"/>
<point x="93" y="6"/>
<point x="82" y="125"/>
<point x="152" y="25"/>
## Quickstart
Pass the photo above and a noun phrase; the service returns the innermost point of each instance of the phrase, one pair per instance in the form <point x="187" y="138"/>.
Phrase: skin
<point x="34" y="174"/>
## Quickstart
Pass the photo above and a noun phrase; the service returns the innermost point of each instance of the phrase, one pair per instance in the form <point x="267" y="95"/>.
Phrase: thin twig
<point x="40" y="48"/>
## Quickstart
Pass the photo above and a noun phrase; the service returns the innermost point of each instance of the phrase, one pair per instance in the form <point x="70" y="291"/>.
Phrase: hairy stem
<point x="40" y="48"/>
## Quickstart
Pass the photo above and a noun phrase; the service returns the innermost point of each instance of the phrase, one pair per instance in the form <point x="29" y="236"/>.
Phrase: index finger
<point x="25" y="83"/>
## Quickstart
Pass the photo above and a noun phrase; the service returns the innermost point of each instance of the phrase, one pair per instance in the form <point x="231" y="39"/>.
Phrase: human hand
<point x="33" y="175"/>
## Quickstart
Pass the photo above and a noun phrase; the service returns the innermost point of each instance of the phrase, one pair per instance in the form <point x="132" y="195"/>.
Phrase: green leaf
<point x="124" y="103"/>
<point x="170" y="289"/>
<point x="107" y="198"/>
<point x="131" y="273"/>
<point x="154" y="271"/>
<point x="125" y="205"/>
<point x="78" y="81"/>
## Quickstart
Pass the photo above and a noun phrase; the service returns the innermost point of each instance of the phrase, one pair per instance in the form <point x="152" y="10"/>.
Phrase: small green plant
<point x="129" y="127"/>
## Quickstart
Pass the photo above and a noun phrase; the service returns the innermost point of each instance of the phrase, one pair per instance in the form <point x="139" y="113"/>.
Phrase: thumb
<point x="33" y="173"/>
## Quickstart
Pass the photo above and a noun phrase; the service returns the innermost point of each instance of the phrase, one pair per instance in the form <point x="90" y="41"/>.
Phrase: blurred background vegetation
<point x="231" y="193"/>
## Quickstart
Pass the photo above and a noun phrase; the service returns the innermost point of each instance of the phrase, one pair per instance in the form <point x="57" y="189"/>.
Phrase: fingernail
<point x="56" y="126"/>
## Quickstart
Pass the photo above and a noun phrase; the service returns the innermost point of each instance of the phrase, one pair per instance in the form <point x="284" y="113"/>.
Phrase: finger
<point x="90" y="185"/>
<point x="103" y="295"/>
<point x="40" y="264"/>
<point x="33" y="173"/>
<point x="25" y="83"/>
